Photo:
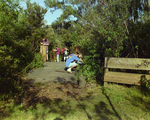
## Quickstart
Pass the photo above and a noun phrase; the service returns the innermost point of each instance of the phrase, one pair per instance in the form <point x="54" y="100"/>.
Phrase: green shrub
<point x="18" y="43"/>
<point x="38" y="61"/>
<point x="146" y="83"/>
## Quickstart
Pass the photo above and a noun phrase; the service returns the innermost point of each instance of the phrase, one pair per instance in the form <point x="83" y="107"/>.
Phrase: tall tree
<point x="63" y="5"/>
<point x="35" y="16"/>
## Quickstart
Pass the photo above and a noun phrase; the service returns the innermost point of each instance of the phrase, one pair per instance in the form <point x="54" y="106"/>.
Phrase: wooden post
<point x="44" y="53"/>
<point x="106" y="70"/>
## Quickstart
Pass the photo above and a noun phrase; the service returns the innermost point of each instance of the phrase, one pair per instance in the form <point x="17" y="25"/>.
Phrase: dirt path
<point x="48" y="74"/>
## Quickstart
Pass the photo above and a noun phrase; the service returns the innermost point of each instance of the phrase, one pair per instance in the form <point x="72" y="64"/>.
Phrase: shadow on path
<point x="62" y="100"/>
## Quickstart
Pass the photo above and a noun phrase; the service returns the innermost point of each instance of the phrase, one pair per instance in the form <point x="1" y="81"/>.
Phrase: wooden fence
<point x="123" y="64"/>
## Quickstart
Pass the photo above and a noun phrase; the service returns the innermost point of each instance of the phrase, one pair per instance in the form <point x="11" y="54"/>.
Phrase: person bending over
<point x="71" y="61"/>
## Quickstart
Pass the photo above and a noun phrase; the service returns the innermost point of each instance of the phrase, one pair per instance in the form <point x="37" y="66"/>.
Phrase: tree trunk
<point x="63" y="16"/>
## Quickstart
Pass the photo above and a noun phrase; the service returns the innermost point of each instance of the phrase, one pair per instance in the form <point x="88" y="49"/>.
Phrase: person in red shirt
<point x="62" y="52"/>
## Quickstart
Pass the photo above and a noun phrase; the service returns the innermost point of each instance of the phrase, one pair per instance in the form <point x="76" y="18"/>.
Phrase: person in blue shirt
<point x="71" y="61"/>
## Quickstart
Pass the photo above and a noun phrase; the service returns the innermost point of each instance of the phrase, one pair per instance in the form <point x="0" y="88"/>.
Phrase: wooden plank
<point x="44" y="53"/>
<point x="126" y="78"/>
<point x="127" y="63"/>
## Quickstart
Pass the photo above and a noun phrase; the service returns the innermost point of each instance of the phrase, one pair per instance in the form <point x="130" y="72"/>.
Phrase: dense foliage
<point x="102" y="28"/>
<point x="20" y="34"/>
<point x="117" y="28"/>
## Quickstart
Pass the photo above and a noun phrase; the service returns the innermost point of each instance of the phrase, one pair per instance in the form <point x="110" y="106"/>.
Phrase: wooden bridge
<point x="49" y="74"/>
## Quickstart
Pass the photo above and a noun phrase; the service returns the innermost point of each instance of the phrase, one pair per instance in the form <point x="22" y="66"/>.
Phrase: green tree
<point x="35" y="16"/>
<point x="63" y="5"/>
<point x="106" y="28"/>
<point x="15" y="55"/>
<point x="101" y="32"/>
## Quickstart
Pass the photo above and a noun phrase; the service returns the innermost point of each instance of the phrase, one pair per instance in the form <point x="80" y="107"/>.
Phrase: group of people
<point x="64" y="52"/>
<point x="71" y="61"/>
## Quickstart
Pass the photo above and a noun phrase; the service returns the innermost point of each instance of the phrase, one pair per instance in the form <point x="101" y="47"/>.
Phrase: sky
<point x="49" y="17"/>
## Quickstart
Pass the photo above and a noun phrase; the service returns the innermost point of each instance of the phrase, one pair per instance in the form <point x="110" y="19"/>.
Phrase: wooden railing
<point x="124" y="64"/>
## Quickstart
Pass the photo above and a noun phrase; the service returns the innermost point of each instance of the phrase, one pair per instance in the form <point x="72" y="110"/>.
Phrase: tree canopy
<point x="112" y="28"/>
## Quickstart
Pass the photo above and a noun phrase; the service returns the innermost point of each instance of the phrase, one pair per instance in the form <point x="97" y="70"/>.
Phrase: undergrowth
<point x="111" y="102"/>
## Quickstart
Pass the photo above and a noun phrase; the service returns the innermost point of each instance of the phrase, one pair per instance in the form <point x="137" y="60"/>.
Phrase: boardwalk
<point x="47" y="74"/>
